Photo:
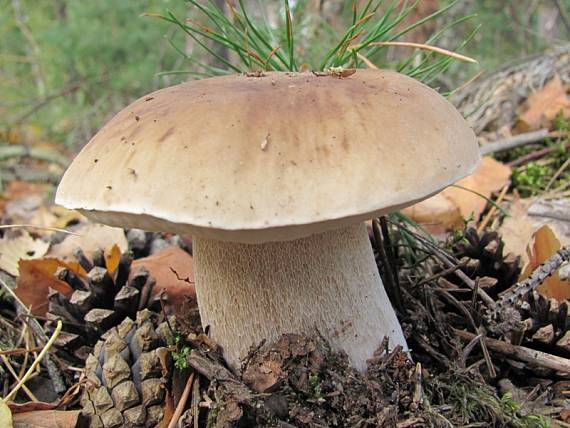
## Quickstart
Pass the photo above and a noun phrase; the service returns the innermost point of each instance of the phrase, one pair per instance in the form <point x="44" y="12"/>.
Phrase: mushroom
<point x="273" y="176"/>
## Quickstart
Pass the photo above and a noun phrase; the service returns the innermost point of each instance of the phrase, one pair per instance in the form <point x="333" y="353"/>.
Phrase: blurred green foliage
<point x="66" y="66"/>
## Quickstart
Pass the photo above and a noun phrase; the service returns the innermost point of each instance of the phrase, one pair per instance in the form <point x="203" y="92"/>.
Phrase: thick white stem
<point x="326" y="283"/>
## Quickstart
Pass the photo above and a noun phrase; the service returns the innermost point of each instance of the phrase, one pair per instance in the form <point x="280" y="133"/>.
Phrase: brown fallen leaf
<point x="16" y="190"/>
<point x="529" y="215"/>
<point x="47" y="419"/>
<point x="541" y="107"/>
<point x="90" y="237"/>
<point x="448" y="208"/>
<point x="35" y="279"/>
<point x="173" y="270"/>
<point x="112" y="258"/>
<point x="24" y="247"/>
<point x="544" y="245"/>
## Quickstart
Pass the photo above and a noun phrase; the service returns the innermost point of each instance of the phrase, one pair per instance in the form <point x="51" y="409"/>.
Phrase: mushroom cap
<point x="270" y="158"/>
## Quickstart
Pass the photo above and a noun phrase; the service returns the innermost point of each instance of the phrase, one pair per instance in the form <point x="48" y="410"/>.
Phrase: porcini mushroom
<point x="273" y="176"/>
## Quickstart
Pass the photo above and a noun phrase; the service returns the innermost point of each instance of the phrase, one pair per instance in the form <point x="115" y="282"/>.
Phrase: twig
<point x="32" y="152"/>
<point x="450" y="261"/>
<point x="182" y="403"/>
<point x="516" y="141"/>
<point x="557" y="174"/>
<point x="493" y="209"/>
<point x="535" y="155"/>
<point x="8" y="365"/>
<point x="534" y="280"/>
<point x="366" y="61"/>
<point x="444" y="272"/>
<point x="391" y="285"/>
<point x="53" y="370"/>
<point x="32" y="226"/>
<point x="520" y="352"/>
<point x="421" y="46"/>
<point x="36" y="362"/>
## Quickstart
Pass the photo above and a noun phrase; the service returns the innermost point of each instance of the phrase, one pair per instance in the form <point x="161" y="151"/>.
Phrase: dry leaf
<point x="24" y="247"/>
<point x="437" y="214"/>
<point x="447" y="209"/>
<point x="54" y="216"/>
<point x="47" y="419"/>
<point x="544" y="245"/>
<point x="541" y="107"/>
<point x="527" y="216"/>
<point x="172" y="268"/>
<point x="37" y="277"/>
<point x="112" y="258"/>
<point x="91" y="237"/>
<point x="65" y="216"/>
<point x="5" y="415"/>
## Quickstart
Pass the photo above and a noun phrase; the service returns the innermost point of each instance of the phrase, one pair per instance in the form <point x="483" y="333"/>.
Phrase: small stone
<point x="125" y="395"/>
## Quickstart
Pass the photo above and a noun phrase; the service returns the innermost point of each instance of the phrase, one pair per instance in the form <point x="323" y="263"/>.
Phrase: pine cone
<point x="100" y="301"/>
<point x="125" y="384"/>
<point x="482" y="256"/>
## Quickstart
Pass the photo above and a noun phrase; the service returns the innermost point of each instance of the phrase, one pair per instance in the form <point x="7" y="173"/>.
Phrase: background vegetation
<point x="68" y="65"/>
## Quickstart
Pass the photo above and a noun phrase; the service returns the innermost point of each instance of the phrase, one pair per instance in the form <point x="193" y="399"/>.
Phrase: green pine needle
<point x="256" y="45"/>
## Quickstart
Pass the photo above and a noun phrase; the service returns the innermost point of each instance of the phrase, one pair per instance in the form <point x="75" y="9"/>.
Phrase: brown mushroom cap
<point x="278" y="157"/>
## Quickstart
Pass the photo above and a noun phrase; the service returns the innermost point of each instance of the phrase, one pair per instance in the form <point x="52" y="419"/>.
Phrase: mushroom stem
<point x="326" y="283"/>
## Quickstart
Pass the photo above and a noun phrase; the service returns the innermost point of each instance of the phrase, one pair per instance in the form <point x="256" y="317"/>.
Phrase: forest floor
<point x="482" y="298"/>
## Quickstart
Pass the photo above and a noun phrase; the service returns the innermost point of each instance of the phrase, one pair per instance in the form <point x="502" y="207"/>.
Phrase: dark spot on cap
<point x="137" y="118"/>
<point x="110" y="187"/>
<point x="149" y="99"/>
<point x="95" y="160"/>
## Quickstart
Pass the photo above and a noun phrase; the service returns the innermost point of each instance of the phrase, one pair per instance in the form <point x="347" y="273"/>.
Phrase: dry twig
<point x="520" y="352"/>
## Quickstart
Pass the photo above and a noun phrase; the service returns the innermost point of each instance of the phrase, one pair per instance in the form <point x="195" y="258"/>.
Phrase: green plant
<point x="257" y="45"/>
<point x="532" y="176"/>
<point x="180" y="355"/>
